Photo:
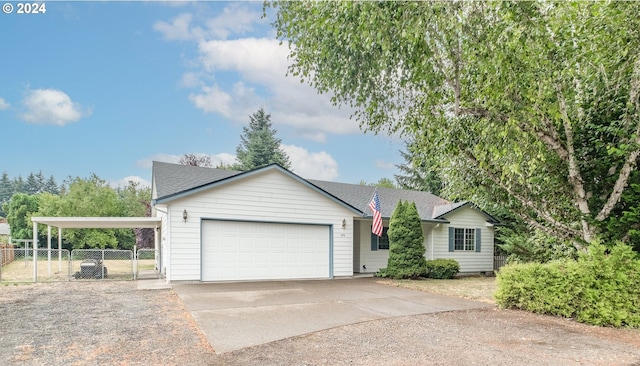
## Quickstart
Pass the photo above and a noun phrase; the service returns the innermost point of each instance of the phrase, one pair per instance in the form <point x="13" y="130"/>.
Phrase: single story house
<point x="269" y="223"/>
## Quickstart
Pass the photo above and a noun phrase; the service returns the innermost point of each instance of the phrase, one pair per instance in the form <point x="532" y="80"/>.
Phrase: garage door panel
<point x="233" y="250"/>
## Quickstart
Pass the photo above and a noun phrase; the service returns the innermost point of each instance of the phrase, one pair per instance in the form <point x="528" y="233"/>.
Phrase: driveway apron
<point x="236" y="315"/>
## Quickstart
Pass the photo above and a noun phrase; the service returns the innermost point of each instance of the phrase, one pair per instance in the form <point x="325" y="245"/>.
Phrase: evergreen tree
<point x="31" y="186"/>
<point x="6" y="191"/>
<point x="419" y="172"/>
<point x="259" y="145"/>
<point x="51" y="186"/>
<point x="406" y="243"/>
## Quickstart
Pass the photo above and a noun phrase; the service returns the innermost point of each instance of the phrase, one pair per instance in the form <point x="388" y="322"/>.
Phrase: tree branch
<point x="630" y="162"/>
<point x="561" y="227"/>
<point x="575" y="176"/>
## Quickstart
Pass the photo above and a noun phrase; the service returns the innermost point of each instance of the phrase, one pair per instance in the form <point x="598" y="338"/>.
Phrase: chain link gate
<point x="147" y="264"/>
<point x="17" y="265"/>
<point x="111" y="264"/>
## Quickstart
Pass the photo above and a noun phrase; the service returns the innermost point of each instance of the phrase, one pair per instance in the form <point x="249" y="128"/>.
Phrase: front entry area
<point x="247" y="250"/>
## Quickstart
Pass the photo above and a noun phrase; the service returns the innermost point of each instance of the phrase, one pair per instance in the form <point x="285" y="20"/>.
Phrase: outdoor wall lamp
<point x="344" y="223"/>
<point x="184" y="215"/>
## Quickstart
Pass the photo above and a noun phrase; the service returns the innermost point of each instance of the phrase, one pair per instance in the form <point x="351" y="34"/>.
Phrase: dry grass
<point x="474" y="288"/>
<point x="22" y="271"/>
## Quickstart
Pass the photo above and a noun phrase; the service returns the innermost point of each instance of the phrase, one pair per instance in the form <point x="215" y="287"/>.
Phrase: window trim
<point x="464" y="239"/>
<point x="377" y="239"/>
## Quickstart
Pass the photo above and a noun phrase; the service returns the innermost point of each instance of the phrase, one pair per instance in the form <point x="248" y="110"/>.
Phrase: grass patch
<point x="473" y="288"/>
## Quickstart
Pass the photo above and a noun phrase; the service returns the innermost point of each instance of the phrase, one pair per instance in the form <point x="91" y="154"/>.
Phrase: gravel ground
<point x="113" y="323"/>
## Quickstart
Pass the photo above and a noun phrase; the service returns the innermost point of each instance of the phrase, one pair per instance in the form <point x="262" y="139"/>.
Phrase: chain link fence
<point x="146" y="264"/>
<point x="18" y="265"/>
<point x="111" y="264"/>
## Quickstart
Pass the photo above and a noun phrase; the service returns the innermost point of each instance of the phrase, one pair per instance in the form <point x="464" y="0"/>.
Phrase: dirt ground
<point x="113" y="323"/>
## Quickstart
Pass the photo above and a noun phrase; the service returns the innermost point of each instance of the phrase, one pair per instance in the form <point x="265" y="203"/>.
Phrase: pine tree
<point x="419" y="173"/>
<point x="406" y="243"/>
<point x="259" y="146"/>
<point x="6" y="191"/>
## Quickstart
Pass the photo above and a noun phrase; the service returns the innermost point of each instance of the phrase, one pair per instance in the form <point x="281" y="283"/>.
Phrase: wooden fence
<point x="7" y="253"/>
<point x="499" y="261"/>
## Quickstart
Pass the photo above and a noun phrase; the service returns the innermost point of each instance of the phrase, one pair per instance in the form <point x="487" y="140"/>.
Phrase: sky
<point x="106" y="88"/>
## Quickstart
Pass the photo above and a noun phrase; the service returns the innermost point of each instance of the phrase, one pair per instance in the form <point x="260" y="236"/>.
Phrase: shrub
<point x="406" y="243"/>
<point x="601" y="288"/>
<point x="441" y="268"/>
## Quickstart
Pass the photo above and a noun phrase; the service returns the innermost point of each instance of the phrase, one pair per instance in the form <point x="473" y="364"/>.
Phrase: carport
<point x="88" y="223"/>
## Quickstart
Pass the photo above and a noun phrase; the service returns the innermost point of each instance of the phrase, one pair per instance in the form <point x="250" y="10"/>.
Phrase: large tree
<point x="259" y="145"/>
<point x="19" y="211"/>
<point x="534" y="105"/>
<point x="419" y="172"/>
<point x="93" y="197"/>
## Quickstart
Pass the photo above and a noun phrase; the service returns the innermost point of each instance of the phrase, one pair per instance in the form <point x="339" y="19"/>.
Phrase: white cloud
<point x="178" y="29"/>
<point x="4" y="105"/>
<point x="51" y="106"/>
<point x="124" y="182"/>
<point x="165" y="158"/>
<point x="234" y="19"/>
<point x="263" y="63"/>
<point x="213" y="100"/>
<point x="311" y="165"/>
<point x="385" y="164"/>
<point x="258" y="67"/>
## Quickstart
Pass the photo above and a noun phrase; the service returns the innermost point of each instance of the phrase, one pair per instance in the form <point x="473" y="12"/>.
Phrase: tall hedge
<point x="406" y="243"/>
<point x="602" y="287"/>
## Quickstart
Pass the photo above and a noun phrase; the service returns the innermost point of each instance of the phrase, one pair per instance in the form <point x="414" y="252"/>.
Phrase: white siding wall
<point x="469" y="218"/>
<point x="269" y="196"/>
<point x="465" y="217"/>
<point x="374" y="260"/>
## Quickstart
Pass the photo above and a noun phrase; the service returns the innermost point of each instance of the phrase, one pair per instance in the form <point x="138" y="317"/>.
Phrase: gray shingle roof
<point x="173" y="179"/>
<point x="359" y="197"/>
<point x="170" y="179"/>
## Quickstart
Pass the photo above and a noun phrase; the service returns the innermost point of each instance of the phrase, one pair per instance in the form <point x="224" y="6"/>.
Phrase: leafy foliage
<point x="259" y="146"/>
<point x="406" y="243"/>
<point x="602" y="287"/>
<point x="441" y="268"/>
<point x="19" y="211"/>
<point x="196" y="160"/>
<point x="532" y="105"/>
<point x="36" y="183"/>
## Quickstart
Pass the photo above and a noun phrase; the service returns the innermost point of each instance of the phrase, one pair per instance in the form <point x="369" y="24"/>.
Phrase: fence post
<point x="135" y="261"/>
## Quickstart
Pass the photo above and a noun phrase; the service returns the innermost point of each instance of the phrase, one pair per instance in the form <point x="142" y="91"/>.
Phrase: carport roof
<point x="99" y="222"/>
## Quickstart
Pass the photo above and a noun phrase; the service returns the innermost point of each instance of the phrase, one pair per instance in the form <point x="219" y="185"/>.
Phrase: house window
<point x="464" y="239"/>
<point x="382" y="242"/>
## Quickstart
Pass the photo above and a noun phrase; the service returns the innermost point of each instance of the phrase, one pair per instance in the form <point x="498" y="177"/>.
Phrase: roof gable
<point x="233" y="176"/>
<point x="173" y="181"/>
<point x="439" y="212"/>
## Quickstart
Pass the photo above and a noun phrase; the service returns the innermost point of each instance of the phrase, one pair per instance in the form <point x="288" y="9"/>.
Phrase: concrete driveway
<point x="241" y="314"/>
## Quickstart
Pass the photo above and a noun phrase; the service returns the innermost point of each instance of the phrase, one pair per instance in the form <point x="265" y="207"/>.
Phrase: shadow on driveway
<point x="241" y="314"/>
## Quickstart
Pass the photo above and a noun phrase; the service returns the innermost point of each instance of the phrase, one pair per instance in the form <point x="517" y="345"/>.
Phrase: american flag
<point x="374" y="205"/>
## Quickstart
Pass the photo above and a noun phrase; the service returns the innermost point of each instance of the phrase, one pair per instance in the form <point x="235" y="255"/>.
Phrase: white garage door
<point x="234" y="250"/>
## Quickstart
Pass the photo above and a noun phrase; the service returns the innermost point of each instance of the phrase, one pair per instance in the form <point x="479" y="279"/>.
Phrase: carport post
<point x="35" y="252"/>
<point x="135" y="261"/>
<point x="59" y="249"/>
<point x="49" y="250"/>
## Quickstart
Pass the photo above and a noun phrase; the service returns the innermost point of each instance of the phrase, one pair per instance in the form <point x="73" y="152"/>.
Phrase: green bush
<point x="601" y="288"/>
<point x="406" y="243"/>
<point x="441" y="269"/>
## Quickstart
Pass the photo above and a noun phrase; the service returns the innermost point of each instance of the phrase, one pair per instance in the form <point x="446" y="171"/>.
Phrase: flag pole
<point x="364" y="213"/>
